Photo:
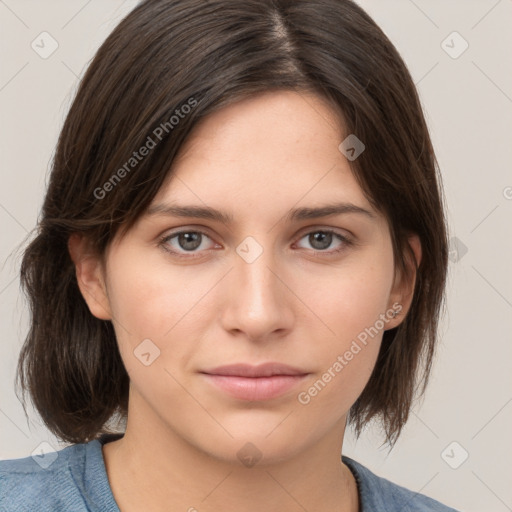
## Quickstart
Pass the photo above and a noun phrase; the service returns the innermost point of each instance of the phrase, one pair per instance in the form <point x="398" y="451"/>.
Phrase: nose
<point x="259" y="301"/>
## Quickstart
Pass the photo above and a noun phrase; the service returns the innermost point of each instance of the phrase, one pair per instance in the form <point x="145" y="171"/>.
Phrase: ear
<point x="403" y="286"/>
<point x="90" y="276"/>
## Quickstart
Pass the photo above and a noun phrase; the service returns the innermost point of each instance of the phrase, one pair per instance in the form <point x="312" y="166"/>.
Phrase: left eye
<point x="189" y="241"/>
<point x="322" y="239"/>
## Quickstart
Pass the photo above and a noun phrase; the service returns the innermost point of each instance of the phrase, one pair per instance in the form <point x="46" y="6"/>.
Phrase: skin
<point x="256" y="160"/>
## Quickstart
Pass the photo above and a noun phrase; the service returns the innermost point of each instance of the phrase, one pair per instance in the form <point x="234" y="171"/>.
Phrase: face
<point x="269" y="283"/>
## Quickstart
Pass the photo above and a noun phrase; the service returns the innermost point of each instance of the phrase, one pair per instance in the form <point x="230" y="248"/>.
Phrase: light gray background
<point x="468" y="104"/>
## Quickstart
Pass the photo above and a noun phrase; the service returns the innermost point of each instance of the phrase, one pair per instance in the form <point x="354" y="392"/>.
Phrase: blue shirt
<point x="76" y="481"/>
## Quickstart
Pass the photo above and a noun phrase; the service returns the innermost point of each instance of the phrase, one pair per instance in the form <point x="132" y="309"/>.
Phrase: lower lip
<point x="255" y="388"/>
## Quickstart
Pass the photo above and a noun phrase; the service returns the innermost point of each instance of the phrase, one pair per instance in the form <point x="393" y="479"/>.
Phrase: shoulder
<point x="44" y="482"/>
<point x="378" y="493"/>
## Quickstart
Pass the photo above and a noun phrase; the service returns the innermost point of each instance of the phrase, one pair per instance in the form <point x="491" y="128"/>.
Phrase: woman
<point x="242" y="249"/>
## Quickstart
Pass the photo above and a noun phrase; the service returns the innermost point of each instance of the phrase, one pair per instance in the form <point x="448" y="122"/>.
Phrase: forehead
<point x="275" y="150"/>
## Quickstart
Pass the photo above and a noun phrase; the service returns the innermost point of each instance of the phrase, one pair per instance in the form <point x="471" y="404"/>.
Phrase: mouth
<point x="248" y="382"/>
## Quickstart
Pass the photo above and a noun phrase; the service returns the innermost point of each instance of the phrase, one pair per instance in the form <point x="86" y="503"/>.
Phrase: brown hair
<point x="169" y="54"/>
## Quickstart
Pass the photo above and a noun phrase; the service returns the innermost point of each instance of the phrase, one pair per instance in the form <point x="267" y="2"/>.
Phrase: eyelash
<point x="346" y="242"/>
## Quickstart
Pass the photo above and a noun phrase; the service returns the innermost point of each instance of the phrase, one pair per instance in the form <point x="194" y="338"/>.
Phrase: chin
<point x="255" y="444"/>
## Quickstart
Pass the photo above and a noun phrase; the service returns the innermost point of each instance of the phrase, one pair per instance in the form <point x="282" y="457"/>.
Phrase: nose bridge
<point x="258" y="303"/>
<point x="253" y="266"/>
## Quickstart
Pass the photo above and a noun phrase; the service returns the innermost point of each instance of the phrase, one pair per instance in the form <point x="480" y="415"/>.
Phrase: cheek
<point x="350" y="299"/>
<point x="158" y="302"/>
<point x="351" y="306"/>
<point x="150" y="297"/>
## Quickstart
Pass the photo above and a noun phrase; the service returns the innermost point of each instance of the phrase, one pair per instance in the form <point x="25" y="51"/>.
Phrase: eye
<point x="322" y="239"/>
<point x="188" y="244"/>
<point x="186" y="241"/>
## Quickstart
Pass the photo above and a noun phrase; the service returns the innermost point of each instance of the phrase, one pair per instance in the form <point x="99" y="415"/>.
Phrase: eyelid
<point x="303" y="231"/>
<point x="339" y="231"/>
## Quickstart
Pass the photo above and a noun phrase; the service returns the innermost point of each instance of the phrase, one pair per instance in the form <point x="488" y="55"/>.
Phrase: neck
<point x="173" y="474"/>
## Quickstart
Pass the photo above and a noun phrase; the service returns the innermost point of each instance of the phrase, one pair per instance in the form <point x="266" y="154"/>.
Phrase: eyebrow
<point x="297" y="214"/>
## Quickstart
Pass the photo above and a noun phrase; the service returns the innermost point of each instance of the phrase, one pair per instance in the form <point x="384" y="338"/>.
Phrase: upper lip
<point x="262" y="370"/>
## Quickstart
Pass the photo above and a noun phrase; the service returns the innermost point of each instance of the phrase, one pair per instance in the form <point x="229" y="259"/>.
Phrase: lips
<point x="262" y="370"/>
<point x="248" y="382"/>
